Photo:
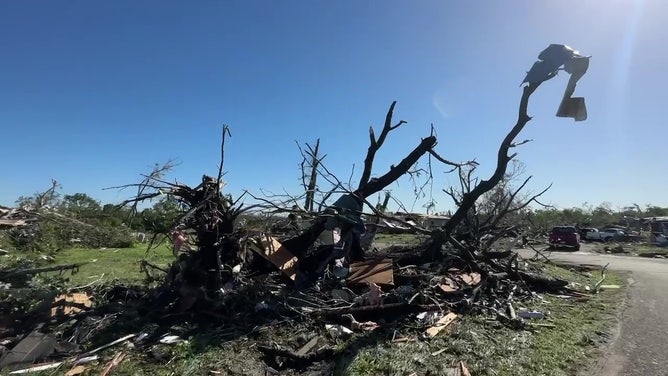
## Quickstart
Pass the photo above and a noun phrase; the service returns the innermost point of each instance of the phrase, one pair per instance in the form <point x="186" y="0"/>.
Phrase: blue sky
<point x="93" y="93"/>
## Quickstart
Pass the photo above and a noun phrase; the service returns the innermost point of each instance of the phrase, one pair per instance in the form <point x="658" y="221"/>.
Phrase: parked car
<point x="585" y="230"/>
<point x="565" y="236"/>
<point x="606" y="235"/>
<point x="609" y="234"/>
<point x="592" y="234"/>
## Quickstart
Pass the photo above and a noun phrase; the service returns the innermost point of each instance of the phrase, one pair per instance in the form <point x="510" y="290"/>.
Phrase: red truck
<point x="565" y="236"/>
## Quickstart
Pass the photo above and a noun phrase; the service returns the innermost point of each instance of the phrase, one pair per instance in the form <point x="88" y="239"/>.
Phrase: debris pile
<point x="391" y="291"/>
<point x="15" y="217"/>
<point x="233" y="280"/>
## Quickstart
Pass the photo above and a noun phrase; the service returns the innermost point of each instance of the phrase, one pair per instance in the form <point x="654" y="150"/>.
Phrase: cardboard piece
<point x="271" y="249"/>
<point x="68" y="304"/>
<point x="470" y="279"/>
<point x="373" y="271"/>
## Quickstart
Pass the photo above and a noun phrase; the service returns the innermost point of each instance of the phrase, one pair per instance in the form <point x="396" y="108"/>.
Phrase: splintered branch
<point x="454" y="165"/>
<point x="147" y="184"/>
<point x="375" y="145"/>
<point x="469" y="198"/>
<point x="226" y="131"/>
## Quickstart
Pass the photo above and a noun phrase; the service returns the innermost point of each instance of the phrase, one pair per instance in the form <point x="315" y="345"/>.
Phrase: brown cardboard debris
<point x="448" y="285"/>
<point x="281" y="257"/>
<point x="68" y="304"/>
<point x="470" y="279"/>
<point x="374" y="271"/>
<point x="442" y="324"/>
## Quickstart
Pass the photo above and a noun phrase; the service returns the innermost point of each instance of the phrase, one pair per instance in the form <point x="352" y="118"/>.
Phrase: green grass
<point x="121" y="264"/>
<point x="392" y="239"/>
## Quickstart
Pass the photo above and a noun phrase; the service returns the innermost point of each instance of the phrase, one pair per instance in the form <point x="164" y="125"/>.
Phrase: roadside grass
<point x="632" y="248"/>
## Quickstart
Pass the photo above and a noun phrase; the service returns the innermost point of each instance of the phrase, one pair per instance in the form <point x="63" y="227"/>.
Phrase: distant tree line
<point x="79" y="220"/>
<point x="593" y="216"/>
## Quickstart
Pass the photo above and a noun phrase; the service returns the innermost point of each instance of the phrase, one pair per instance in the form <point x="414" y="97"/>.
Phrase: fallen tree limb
<point x="16" y="273"/>
<point x="492" y="255"/>
<point x="541" y="253"/>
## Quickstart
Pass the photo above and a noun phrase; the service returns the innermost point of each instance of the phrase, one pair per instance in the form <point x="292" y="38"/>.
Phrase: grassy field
<point x="120" y="264"/>
<point x="487" y="347"/>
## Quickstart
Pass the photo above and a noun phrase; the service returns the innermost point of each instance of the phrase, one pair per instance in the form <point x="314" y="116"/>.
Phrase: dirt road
<point x="641" y="344"/>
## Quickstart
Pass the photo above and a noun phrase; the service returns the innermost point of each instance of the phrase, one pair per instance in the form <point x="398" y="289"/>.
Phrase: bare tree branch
<point x="226" y="131"/>
<point x="516" y="144"/>
<point x="375" y="144"/>
<point x="378" y="184"/>
<point x="469" y="198"/>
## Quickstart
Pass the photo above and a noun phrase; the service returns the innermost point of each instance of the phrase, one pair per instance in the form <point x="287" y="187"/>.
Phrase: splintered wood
<point x="271" y="249"/>
<point x="442" y="324"/>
